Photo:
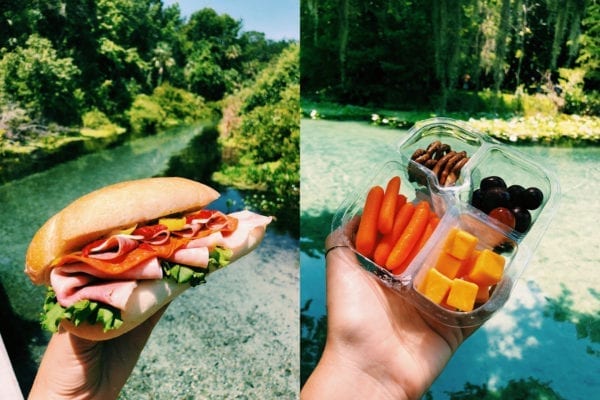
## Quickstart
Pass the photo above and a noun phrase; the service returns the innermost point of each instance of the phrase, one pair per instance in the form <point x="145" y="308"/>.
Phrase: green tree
<point x="266" y="141"/>
<point x="203" y="73"/>
<point x="35" y="77"/>
<point x="589" y="54"/>
<point x="212" y="52"/>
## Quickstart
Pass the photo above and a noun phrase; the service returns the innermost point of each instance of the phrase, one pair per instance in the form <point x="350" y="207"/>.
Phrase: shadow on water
<point x="554" y="312"/>
<point x="202" y="157"/>
<point x="587" y="325"/>
<point x="199" y="160"/>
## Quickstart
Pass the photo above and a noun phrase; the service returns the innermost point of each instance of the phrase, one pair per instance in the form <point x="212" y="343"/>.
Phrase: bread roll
<point x="150" y="296"/>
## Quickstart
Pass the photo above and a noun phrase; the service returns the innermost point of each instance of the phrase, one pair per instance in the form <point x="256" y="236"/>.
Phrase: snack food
<point x="461" y="176"/>
<point x="109" y="260"/>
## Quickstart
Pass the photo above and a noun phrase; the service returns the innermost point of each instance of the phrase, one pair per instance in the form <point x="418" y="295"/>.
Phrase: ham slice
<point x="241" y="237"/>
<point x="247" y="221"/>
<point x="77" y="281"/>
<point x="114" y="293"/>
<point x="111" y="248"/>
<point x="211" y="241"/>
<point x="192" y="257"/>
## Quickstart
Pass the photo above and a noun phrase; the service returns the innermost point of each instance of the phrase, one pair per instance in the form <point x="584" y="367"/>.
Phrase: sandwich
<point x="115" y="256"/>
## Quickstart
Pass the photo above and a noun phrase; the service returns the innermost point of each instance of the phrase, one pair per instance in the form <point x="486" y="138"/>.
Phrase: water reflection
<point x="544" y="342"/>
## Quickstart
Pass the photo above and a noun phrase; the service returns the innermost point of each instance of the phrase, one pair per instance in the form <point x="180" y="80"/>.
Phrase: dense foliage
<point x="263" y="138"/>
<point x="60" y="60"/>
<point x="437" y="53"/>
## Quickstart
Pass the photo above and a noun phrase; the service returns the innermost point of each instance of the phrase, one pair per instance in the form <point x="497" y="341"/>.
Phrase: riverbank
<point x="22" y="158"/>
<point x="559" y="130"/>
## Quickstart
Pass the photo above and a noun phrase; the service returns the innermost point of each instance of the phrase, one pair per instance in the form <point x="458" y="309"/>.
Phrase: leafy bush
<point x="181" y="106"/>
<point x="577" y="101"/>
<point x="265" y="140"/>
<point x="97" y="124"/>
<point x="167" y="107"/>
<point x="145" y="116"/>
<point x="95" y="119"/>
<point x="36" y="78"/>
<point x="538" y="104"/>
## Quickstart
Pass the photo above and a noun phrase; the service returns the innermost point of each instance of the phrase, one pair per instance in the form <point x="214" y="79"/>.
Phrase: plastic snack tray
<point x="487" y="157"/>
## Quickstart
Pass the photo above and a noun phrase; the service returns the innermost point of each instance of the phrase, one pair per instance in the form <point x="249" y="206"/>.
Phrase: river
<point x="234" y="336"/>
<point x="547" y="336"/>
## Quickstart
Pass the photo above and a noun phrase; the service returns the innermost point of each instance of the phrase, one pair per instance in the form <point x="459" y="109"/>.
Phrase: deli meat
<point x="78" y="281"/>
<point x="108" y="270"/>
<point x="192" y="257"/>
<point x="241" y="237"/>
<point x="114" y="293"/>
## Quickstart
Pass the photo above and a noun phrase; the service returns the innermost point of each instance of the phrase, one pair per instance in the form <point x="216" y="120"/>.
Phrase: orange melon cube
<point x="468" y="264"/>
<point x="462" y="295"/>
<point x="483" y="294"/>
<point x="448" y="265"/>
<point x="487" y="269"/>
<point x="460" y="243"/>
<point x="435" y="286"/>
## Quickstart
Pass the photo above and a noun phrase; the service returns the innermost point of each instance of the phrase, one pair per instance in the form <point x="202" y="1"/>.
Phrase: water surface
<point x="235" y="336"/>
<point x="548" y="333"/>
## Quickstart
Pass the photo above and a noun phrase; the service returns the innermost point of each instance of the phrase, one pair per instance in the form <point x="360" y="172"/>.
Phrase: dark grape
<point x="532" y="198"/>
<point x="504" y="247"/>
<point x="516" y="193"/>
<point x="492" y="182"/>
<point x="477" y="199"/>
<point x="495" y="197"/>
<point x="503" y="215"/>
<point x="522" y="219"/>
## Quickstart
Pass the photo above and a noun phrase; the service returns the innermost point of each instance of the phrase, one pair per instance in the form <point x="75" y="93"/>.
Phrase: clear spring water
<point x="219" y="339"/>
<point x="549" y="330"/>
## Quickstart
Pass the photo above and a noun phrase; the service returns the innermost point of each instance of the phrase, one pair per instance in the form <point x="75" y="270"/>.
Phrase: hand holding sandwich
<point x="76" y="368"/>
<point x="112" y="261"/>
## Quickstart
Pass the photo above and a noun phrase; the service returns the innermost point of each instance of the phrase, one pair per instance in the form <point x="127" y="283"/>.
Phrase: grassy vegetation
<point x="532" y="119"/>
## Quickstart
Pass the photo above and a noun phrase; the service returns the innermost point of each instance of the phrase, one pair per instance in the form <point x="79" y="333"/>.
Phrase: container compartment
<point x="349" y="214"/>
<point x="506" y="250"/>
<point x="526" y="188"/>
<point x="460" y="263"/>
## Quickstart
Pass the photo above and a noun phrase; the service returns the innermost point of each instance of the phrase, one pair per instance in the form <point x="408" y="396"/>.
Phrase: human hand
<point x="378" y="344"/>
<point x="76" y="368"/>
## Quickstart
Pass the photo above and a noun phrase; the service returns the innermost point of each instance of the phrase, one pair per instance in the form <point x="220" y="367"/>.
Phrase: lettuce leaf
<point x="82" y="311"/>
<point x="218" y="258"/>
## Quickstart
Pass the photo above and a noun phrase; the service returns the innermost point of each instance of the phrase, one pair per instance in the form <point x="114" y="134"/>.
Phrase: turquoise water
<point x="547" y="334"/>
<point x="246" y="314"/>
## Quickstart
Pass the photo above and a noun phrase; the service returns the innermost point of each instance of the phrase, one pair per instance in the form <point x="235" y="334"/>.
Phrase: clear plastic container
<point x="451" y="202"/>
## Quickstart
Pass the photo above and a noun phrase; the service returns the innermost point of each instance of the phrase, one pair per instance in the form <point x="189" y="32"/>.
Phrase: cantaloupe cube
<point x="467" y="265"/>
<point x="483" y="294"/>
<point x="488" y="268"/>
<point x="448" y="265"/>
<point x="435" y="286"/>
<point x="460" y="243"/>
<point x="462" y="295"/>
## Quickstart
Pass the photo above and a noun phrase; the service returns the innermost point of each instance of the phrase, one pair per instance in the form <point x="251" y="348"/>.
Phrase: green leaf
<point x="82" y="311"/>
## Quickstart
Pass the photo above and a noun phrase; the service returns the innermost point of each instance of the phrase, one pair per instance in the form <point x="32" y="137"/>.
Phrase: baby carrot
<point x="431" y="225"/>
<point x="385" y="246"/>
<point x="410" y="236"/>
<point x="400" y="202"/>
<point x="366" y="236"/>
<point x="388" y="206"/>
